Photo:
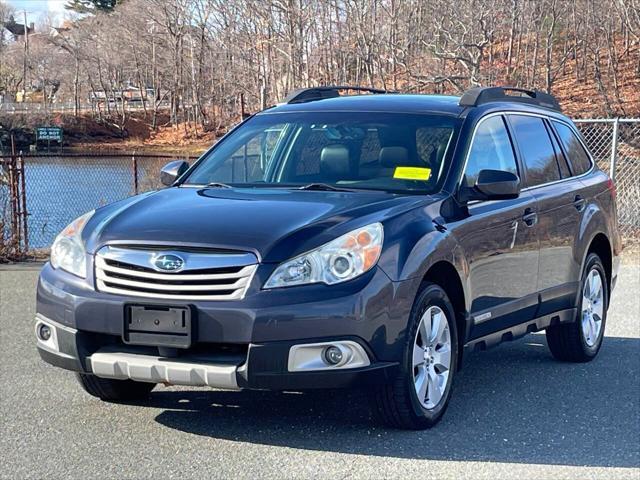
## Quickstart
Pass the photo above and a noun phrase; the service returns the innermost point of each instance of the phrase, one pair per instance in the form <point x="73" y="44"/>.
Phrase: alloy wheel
<point x="592" y="307"/>
<point x="432" y="357"/>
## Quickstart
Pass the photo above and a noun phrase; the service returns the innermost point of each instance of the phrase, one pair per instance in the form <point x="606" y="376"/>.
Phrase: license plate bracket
<point x="158" y="326"/>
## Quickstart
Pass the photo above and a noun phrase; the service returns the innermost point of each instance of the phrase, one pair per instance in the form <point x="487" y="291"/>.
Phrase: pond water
<point x="59" y="189"/>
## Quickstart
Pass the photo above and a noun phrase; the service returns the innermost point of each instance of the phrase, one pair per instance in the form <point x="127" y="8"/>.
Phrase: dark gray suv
<point x="342" y="240"/>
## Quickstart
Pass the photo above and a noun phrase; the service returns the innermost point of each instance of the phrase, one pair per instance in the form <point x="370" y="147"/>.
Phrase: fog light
<point x="44" y="332"/>
<point x="338" y="354"/>
<point x="333" y="355"/>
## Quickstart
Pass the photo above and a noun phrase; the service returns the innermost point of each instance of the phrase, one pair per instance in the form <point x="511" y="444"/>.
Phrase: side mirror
<point x="172" y="170"/>
<point x="494" y="185"/>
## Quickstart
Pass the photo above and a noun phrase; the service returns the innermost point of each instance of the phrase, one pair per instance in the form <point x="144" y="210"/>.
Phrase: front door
<point x="499" y="239"/>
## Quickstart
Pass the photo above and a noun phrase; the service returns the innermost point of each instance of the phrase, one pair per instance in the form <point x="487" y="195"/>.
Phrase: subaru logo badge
<point x="168" y="263"/>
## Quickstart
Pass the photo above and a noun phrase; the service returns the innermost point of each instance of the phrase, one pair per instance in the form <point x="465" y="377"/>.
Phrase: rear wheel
<point x="419" y="395"/>
<point x="581" y="340"/>
<point x="114" y="390"/>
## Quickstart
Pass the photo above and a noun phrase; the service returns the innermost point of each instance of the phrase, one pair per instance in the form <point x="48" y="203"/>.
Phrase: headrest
<point x="396" y="135"/>
<point x="393" y="156"/>
<point x="334" y="161"/>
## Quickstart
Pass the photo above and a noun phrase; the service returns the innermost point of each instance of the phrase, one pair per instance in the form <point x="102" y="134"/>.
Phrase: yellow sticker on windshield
<point x="412" y="173"/>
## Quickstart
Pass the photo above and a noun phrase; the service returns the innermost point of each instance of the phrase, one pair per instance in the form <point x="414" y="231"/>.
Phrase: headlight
<point x="342" y="259"/>
<point x="67" y="251"/>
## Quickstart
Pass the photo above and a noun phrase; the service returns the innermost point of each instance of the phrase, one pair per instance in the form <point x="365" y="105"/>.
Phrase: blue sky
<point x="38" y="8"/>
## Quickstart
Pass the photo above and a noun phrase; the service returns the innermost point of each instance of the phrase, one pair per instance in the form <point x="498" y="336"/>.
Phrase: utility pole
<point x="154" y="78"/>
<point x="26" y="54"/>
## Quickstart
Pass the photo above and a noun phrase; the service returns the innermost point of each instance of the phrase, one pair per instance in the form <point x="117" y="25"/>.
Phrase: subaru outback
<point x="339" y="240"/>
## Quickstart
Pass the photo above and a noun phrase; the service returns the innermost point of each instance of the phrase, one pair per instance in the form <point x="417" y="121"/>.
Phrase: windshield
<point x="345" y="150"/>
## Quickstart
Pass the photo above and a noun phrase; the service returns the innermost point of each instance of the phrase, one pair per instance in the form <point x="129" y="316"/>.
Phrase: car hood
<point x="274" y="223"/>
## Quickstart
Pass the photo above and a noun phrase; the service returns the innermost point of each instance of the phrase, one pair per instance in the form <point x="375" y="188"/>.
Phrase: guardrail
<point x="69" y="107"/>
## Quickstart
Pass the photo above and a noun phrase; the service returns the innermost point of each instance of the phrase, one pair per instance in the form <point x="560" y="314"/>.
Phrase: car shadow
<point x="510" y="404"/>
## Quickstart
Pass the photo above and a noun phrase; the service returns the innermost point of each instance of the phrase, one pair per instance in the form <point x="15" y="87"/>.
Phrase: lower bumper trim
<point x="147" y="368"/>
<point x="60" y="360"/>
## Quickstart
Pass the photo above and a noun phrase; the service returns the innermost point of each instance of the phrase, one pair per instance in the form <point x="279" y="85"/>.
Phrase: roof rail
<point x="311" y="94"/>
<point x="481" y="95"/>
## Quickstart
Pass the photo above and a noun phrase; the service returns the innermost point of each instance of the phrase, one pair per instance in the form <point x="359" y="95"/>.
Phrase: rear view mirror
<point x="494" y="185"/>
<point x="172" y="170"/>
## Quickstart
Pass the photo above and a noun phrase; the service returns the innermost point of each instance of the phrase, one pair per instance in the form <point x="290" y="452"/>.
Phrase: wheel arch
<point x="445" y="275"/>
<point x="601" y="246"/>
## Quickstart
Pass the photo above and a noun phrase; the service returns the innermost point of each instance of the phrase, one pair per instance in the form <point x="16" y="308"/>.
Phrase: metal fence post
<point x="135" y="173"/>
<point x="14" y="198"/>
<point x="23" y="208"/>
<point x="614" y="148"/>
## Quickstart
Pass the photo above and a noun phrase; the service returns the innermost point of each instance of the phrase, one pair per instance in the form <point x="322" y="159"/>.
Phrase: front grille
<point x="124" y="271"/>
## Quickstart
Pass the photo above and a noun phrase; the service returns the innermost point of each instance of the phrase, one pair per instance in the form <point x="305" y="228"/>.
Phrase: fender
<point x="594" y="223"/>
<point x="416" y="242"/>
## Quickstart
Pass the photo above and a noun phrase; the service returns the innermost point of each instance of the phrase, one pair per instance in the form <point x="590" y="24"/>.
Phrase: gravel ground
<point x="515" y="413"/>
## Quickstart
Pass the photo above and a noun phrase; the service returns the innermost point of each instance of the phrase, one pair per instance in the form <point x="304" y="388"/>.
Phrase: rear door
<point x="499" y="239"/>
<point x="560" y="205"/>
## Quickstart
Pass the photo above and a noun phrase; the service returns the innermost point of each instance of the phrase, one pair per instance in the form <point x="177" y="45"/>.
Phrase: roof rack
<point x="481" y="95"/>
<point x="311" y="94"/>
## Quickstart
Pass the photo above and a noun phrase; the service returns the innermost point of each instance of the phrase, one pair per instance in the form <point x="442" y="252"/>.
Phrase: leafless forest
<point x="207" y="60"/>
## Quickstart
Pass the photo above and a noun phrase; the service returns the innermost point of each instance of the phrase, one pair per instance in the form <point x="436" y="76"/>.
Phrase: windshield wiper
<point x="218" y="185"/>
<point x="323" y="187"/>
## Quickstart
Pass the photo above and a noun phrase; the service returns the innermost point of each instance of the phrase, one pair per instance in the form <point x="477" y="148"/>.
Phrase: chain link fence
<point x="615" y="145"/>
<point x="48" y="191"/>
<point x="58" y="189"/>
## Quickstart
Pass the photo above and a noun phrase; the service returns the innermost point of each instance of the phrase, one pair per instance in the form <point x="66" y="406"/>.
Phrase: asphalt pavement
<point x="515" y="413"/>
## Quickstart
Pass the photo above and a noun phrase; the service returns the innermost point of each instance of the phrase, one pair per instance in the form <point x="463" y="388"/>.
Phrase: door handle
<point x="530" y="217"/>
<point x="579" y="202"/>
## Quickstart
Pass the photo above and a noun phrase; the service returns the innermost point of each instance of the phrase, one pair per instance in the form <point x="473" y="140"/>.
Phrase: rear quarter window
<point x="578" y="156"/>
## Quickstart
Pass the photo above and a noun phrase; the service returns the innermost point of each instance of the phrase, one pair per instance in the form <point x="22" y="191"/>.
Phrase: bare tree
<point x="207" y="59"/>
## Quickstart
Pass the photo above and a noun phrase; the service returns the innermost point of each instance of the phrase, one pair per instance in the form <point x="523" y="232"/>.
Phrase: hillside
<point x="604" y="89"/>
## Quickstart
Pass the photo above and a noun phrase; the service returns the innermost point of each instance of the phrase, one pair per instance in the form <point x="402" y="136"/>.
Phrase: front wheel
<point x="418" y="397"/>
<point x="581" y="340"/>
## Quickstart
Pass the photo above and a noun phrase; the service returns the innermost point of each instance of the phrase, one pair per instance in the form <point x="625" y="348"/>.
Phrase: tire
<point x="576" y="342"/>
<point x="114" y="390"/>
<point x="397" y="402"/>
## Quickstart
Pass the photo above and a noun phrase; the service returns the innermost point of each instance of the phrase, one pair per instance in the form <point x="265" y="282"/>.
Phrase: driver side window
<point x="491" y="150"/>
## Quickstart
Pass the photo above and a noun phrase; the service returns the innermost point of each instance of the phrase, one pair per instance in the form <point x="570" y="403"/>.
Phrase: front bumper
<point x="263" y="368"/>
<point x="239" y="344"/>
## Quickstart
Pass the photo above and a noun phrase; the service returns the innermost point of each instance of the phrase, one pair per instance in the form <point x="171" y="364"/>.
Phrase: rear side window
<point x="491" y="150"/>
<point x="537" y="151"/>
<point x="578" y="156"/>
